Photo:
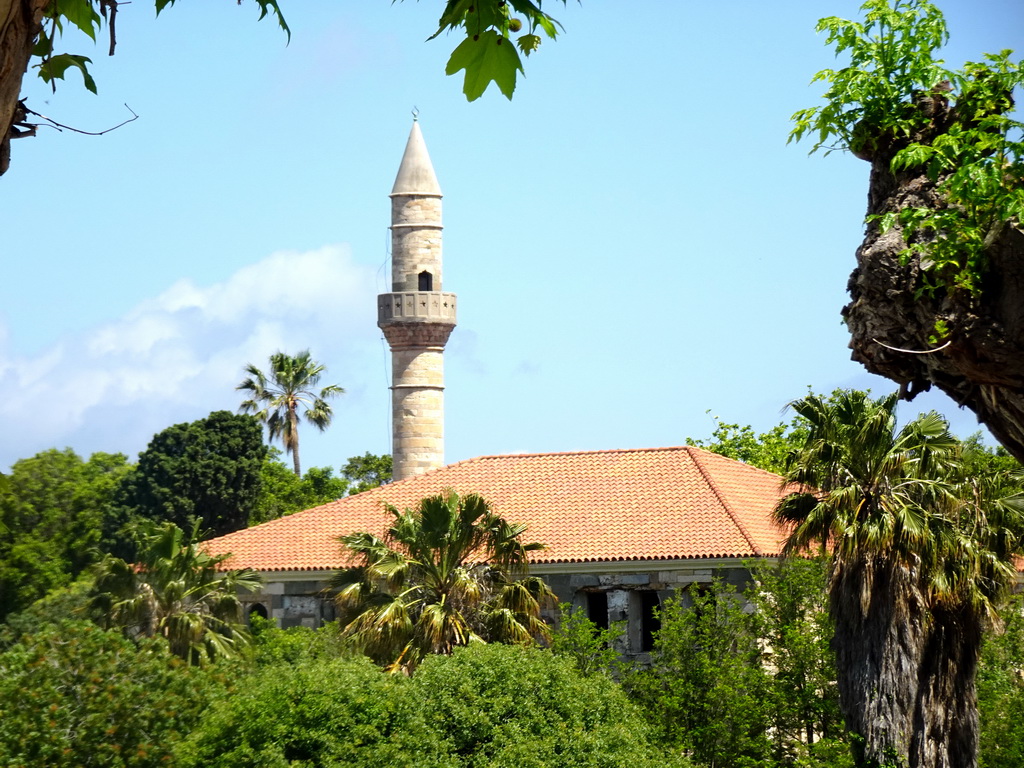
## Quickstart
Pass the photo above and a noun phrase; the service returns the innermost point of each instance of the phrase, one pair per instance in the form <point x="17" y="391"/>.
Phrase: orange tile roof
<point x="653" y="504"/>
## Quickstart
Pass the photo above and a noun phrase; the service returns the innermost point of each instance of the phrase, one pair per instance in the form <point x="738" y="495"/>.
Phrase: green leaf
<point x="55" y="67"/>
<point x="266" y="6"/>
<point x="528" y="43"/>
<point x="486" y="57"/>
<point x="453" y="16"/>
<point x="82" y="14"/>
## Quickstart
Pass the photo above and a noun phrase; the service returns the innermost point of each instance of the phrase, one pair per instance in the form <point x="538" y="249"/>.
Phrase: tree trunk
<point x="982" y="368"/>
<point x="879" y="635"/>
<point x="20" y="24"/>
<point x="946" y="714"/>
<point x="293" y="418"/>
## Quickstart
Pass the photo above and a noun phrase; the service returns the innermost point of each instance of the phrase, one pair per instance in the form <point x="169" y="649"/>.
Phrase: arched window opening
<point x="258" y="609"/>
<point x="426" y="281"/>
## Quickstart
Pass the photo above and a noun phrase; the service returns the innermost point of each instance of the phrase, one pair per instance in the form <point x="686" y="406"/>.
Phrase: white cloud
<point x="177" y="356"/>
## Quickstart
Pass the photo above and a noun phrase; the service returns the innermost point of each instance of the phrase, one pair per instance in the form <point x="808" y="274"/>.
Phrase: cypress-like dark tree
<point x="207" y="469"/>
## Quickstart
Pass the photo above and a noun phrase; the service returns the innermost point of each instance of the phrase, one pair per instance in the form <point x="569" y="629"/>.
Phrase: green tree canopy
<point x="367" y="471"/>
<point x="53" y="508"/>
<point x="767" y="450"/>
<point x="209" y="469"/>
<point x="286" y="395"/>
<point x="448" y="573"/>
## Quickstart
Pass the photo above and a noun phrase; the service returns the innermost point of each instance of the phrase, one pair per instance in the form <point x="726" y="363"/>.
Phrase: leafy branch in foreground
<point x="487" y="54"/>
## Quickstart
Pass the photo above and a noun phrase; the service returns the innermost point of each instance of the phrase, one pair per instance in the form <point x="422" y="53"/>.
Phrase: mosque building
<point x="622" y="529"/>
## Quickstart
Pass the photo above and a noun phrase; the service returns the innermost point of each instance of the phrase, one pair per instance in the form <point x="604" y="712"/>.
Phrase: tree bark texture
<point x="879" y="616"/>
<point x="982" y="368"/>
<point x="946" y="713"/>
<point x="20" y="24"/>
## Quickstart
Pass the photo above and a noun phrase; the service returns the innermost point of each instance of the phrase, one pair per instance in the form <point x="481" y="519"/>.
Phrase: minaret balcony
<point x="416" y="307"/>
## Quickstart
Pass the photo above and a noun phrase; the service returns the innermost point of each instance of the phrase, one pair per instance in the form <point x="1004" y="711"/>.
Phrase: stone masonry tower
<point x="416" y="316"/>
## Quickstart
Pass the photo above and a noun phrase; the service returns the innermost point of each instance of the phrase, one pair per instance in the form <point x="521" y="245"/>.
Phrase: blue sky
<point x="631" y="239"/>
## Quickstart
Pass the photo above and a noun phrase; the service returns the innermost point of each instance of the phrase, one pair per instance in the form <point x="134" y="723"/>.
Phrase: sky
<point x="635" y="248"/>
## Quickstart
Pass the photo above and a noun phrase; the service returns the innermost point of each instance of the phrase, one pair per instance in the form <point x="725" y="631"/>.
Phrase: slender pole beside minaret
<point x="416" y="317"/>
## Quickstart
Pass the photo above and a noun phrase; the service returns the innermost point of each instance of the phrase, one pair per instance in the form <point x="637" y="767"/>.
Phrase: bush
<point x="75" y="695"/>
<point x="499" y="705"/>
<point x="311" y="714"/>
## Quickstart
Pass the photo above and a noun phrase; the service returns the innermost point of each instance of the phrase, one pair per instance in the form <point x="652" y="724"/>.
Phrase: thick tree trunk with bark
<point x="20" y="24"/>
<point x="982" y="368"/>
<point x="946" y="714"/>
<point x="879" y="636"/>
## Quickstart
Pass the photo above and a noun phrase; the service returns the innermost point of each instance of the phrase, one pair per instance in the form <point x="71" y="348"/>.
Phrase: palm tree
<point x="868" y="493"/>
<point x="275" y="399"/>
<point x="174" y="591"/>
<point x="448" y="573"/>
<point x="980" y="534"/>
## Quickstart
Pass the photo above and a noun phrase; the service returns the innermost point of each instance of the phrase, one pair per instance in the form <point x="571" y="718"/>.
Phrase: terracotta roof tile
<point x="653" y="504"/>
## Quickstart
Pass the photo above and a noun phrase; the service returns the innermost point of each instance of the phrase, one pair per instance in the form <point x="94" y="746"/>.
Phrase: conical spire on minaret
<point x="416" y="173"/>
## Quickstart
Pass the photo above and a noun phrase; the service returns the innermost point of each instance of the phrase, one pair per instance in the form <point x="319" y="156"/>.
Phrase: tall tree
<point x="447" y="573"/>
<point x="175" y="591"/>
<point x="937" y="297"/>
<point x="920" y="553"/>
<point x="209" y="469"/>
<point x="276" y="398"/>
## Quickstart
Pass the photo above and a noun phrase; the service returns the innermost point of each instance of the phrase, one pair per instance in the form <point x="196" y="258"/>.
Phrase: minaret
<point x="416" y="316"/>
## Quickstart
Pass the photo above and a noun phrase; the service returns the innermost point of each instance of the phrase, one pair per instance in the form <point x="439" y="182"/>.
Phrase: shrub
<point x="311" y="714"/>
<point x="75" y="695"/>
<point x="521" y="707"/>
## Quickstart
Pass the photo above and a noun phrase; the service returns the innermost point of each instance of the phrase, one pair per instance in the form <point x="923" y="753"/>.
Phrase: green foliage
<point x="286" y="396"/>
<point x="321" y="712"/>
<point x="591" y="649"/>
<point x="367" y="471"/>
<point x="768" y="451"/>
<point x="707" y="689"/>
<point x="487" y="54"/>
<point x="1001" y="692"/>
<point x="74" y="695"/>
<point x="175" y="591"/>
<point x="207" y="469"/>
<point x="892" y="103"/>
<point x="890" y="58"/>
<point x="70" y="603"/>
<point x="52" y="510"/>
<point x="90" y="17"/>
<point x="790" y="602"/>
<point x="282" y="492"/>
<point x="500" y="706"/>
<point x="448" y="573"/>
<point x="271" y="646"/>
<point x="748" y="680"/>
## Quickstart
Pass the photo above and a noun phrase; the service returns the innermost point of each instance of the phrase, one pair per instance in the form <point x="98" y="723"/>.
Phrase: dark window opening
<point x="597" y="609"/>
<point x="258" y="609"/>
<point x="426" y="281"/>
<point x="650" y="622"/>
